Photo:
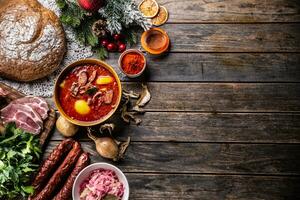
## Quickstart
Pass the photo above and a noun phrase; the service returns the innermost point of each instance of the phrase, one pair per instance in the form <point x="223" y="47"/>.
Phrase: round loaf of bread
<point x="32" y="40"/>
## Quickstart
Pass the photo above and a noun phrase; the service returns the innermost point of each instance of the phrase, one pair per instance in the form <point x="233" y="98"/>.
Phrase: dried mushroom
<point x="107" y="127"/>
<point x="123" y="147"/>
<point x="136" y="108"/>
<point x="144" y="98"/>
<point x="131" y="94"/>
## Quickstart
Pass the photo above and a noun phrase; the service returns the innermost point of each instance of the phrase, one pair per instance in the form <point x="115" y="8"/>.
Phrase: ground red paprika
<point x="132" y="63"/>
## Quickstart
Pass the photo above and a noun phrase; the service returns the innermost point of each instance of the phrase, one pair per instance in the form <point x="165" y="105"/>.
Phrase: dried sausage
<point x="66" y="191"/>
<point x="60" y="173"/>
<point x="51" y="163"/>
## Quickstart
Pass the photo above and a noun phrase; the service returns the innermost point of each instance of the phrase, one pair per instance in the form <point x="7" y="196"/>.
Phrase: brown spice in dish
<point x="156" y="40"/>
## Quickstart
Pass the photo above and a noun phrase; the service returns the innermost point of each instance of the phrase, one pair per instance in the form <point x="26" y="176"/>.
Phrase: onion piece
<point x="105" y="146"/>
<point x="109" y="148"/>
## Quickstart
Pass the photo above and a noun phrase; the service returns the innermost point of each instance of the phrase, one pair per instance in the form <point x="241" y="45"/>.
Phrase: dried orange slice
<point x="149" y="8"/>
<point x="161" y="17"/>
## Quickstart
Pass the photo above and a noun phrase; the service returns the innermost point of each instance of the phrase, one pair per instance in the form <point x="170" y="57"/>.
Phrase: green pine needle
<point x="101" y="53"/>
<point x="61" y="3"/>
<point x="82" y="21"/>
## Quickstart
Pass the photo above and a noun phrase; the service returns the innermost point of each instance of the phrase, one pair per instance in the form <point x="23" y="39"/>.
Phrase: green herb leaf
<point x="19" y="152"/>
<point x="92" y="90"/>
<point x="28" y="189"/>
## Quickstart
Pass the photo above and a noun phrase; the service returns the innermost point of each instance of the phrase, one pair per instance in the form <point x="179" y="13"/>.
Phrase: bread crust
<point x="32" y="40"/>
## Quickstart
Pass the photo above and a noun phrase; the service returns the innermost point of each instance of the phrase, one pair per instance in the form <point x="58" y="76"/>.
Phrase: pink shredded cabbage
<point x="100" y="183"/>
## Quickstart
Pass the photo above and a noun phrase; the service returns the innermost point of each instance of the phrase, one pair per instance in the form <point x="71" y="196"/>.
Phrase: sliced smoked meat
<point x="24" y="116"/>
<point x="3" y="92"/>
<point x="38" y="104"/>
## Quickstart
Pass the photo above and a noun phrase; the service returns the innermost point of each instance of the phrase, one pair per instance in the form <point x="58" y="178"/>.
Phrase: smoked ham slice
<point x="3" y="93"/>
<point x="24" y="116"/>
<point x="38" y="104"/>
<point x="27" y="112"/>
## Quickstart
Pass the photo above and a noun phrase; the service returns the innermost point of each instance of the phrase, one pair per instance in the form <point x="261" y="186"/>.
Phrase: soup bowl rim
<point x="62" y="75"/>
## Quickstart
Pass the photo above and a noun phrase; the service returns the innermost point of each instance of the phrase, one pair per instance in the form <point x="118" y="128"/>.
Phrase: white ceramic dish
<point x="87" y="171"/>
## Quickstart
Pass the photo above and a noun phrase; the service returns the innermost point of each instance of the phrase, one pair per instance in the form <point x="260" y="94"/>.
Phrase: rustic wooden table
<point x="224" y="119"/>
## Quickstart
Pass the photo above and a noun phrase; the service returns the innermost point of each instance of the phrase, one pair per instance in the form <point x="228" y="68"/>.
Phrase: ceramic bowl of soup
<point x="87" y="92"/>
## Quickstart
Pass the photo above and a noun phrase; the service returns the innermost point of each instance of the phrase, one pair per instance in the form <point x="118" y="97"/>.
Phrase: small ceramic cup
<point x="155" y="41"/>
<point x="122" y="56"/>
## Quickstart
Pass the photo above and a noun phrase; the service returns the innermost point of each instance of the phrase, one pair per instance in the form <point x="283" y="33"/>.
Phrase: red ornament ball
<point x="91" y="5"/>
<point x="111" y="47"/>
<point x="104" y="42"/>
<point x="122" y="47"/>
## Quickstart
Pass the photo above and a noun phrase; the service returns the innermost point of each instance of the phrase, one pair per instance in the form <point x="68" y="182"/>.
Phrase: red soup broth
<point x="97" y="110"/>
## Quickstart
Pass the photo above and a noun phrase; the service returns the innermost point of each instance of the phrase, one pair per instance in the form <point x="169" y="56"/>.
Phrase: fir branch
<point x="121" y="14"/>
<point x="90" y="37"/>
<point x="101" y="53"/>
<point x="71" y="15"/>
<point x="61" y="3"/>
<point x="131" y="35"/>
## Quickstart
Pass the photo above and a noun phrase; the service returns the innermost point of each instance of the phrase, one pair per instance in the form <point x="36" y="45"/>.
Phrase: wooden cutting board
<point x="48" y="123"/>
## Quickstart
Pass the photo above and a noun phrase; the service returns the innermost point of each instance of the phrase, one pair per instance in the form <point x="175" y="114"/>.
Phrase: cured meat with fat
<point x="24" y="116"/>
<point x="37" y="103"/>
<point x="3" y="92"/>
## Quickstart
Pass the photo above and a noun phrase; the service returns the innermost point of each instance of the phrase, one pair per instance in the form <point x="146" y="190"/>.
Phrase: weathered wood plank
<point x="212" y="187"/>
<point x="234" y="37"/>
<point x="154" y="157"/>
<point x="236" y="67"/>
<point x="206" y="127"/>
<point x="228" y="11"/>
<point x="221" y="97"/>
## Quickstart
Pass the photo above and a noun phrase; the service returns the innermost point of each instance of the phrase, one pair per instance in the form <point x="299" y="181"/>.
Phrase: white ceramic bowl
<point x="87" y="171"/>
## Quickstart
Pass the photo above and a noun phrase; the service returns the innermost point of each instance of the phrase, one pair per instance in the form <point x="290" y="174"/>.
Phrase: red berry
<point x="104" y="42"/>
<point x="122" y="47"/>
<point x="117" y="37"/>
<point x="119" y="42"/>
<point x="111" y="47"/>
